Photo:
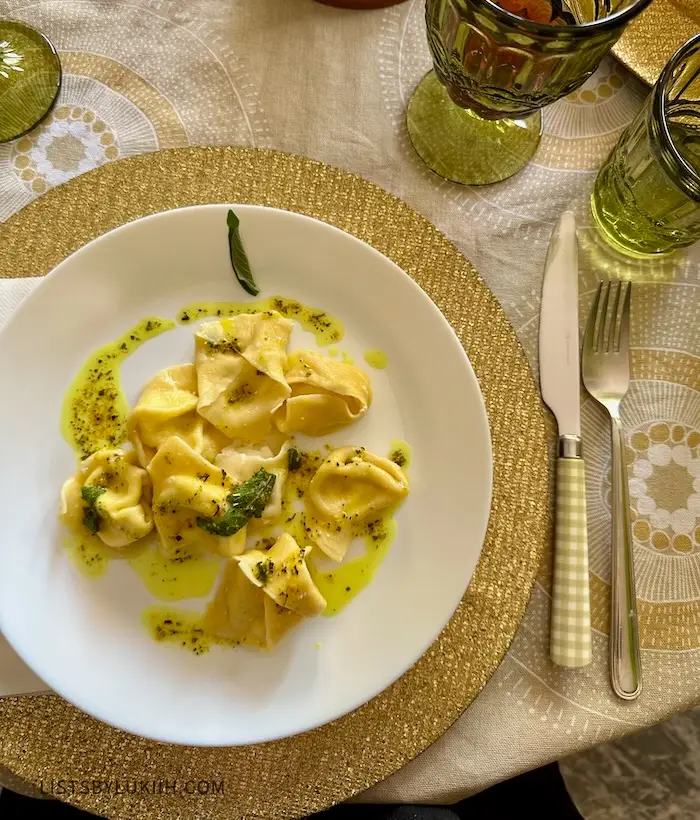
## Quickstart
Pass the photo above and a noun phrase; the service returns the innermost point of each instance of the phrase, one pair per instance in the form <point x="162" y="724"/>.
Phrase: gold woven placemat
<point x="44" y="739"/>
<point x="651" y="40"/>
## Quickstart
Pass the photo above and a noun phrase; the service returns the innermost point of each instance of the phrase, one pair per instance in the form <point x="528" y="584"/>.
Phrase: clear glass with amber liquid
<point x="646" y="198"/>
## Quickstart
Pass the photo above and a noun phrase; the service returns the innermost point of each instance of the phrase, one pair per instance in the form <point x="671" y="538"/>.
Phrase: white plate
<point x="84" y="636"/>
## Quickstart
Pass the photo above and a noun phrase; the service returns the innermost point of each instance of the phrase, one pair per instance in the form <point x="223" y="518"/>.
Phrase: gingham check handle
<point x="570" y="635"/>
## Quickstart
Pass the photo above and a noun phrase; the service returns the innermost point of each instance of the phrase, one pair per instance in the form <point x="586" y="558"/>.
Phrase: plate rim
<point x="469" y="373"/>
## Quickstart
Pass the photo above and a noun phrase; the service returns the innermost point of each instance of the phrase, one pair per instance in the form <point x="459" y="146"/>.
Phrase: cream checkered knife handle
<point x="570" y="635"/>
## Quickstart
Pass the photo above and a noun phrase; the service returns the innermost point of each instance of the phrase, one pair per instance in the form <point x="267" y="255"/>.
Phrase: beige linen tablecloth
<point x="294" y="75"/>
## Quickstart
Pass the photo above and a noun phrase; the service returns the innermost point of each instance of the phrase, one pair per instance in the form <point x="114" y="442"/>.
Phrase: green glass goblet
<point x="30" y="78"/>
<point x="476" y="118"/>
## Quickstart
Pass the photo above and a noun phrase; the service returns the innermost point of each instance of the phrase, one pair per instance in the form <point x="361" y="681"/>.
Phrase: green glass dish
<point x="646" y="198"/>
<point x="30" y="78"/>
<point x="476" y="118"/>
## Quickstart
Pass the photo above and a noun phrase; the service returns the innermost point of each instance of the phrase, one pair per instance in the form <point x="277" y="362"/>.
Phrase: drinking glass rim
<point x="686" y="175"/>
<point x="614" y="20"/>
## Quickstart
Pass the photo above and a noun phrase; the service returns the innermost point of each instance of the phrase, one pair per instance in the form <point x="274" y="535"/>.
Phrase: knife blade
<point x="560" y="369"/>
<point x="560" y="374"/>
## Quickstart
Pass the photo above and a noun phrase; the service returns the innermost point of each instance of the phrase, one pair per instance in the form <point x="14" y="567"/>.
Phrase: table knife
<point x="570" y="630"/>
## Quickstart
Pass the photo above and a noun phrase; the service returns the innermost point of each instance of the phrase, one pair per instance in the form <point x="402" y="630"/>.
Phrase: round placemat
<point x="656" y="35"/>
<point x="50" y="744"/>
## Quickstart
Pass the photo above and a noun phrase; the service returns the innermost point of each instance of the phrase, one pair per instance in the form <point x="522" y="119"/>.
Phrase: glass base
<point x="461" y="146"/>
<point x="614" y="241"/>
<point x="30" y="78"/>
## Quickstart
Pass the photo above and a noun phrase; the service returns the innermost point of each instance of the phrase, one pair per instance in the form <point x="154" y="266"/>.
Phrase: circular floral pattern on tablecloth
<point x="70" y="141"/>
<point x="663" y="463"/>
<point x="662" y="420"/>
<point x="665" y="487"/>
<point x="124" y="91"/>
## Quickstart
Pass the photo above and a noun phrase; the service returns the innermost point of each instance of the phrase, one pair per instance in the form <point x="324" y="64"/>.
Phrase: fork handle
<point x="570" y="632"/>
<point x="625" y="661"/>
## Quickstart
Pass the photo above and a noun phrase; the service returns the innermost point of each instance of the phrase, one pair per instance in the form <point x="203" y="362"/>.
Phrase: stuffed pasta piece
<point x="263" y="595"/>
<point x="281" y="572"/>
<point x="351" y="487"/>
<point x="109" y="497"/>
<point x="168" y="407"/>
<point x="242" y="614"/>
<point x="240" y="372"/>
<point x="190" y="499"/>
<point x="325" y="395"/>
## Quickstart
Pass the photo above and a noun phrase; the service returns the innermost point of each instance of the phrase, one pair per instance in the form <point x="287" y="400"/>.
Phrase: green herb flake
<point x="91" y="517"/>
<point x="263" y="571"/>
<point x="239" y="259"/>
<point x="293" y="459"/>
<point x="247" y="501"/>
<point x="398" y="458"/>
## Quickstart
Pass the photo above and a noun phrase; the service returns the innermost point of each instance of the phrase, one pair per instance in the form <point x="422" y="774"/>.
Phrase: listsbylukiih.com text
<point x="133" y="787"/>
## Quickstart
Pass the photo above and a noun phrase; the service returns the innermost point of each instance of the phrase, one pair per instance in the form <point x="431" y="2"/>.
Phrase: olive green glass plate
<point x="30" y="78"/>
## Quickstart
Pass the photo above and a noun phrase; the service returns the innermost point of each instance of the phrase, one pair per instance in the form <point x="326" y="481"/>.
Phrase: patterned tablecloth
<point x="295" y="75"/>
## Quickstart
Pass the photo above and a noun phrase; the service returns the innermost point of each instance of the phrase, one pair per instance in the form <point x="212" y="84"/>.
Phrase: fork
<point x="606" y="375"/>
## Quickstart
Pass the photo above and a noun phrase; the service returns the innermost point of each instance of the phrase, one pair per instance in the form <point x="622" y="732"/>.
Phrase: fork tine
<point x="600" y="319"/>
<point x="591" y="328"/>
<point x="623" y="326"/>
<point x="612" y="316"/>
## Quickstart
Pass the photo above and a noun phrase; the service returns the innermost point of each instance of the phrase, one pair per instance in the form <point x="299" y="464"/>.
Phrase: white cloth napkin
<point x="12" y="291"/>
<point x="15" y="676"/>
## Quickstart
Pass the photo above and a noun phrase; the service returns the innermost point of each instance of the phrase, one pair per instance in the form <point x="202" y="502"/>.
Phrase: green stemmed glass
<point x="476" y="119"/>
<point x="30" y="78"/>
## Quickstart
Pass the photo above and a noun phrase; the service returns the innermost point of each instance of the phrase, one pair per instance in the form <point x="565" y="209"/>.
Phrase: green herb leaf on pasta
<point x="245" y="502"/>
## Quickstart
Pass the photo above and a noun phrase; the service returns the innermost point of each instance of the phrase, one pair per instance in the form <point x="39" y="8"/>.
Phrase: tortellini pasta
<point x="281" y="572"/>
<point x="349" y="488"/>
<point x="213" y="462"/>
<point x="242" y="463"/>
<point x="243" y="614"/>
<point x="168" y="407"/>
<point x="110" y="497"/>
<point x="186" y="489"/>
<point x="240" y="372"/>
<point x="326" y="395"/>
